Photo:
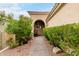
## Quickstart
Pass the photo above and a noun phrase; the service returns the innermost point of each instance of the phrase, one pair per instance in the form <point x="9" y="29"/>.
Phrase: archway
<point x="38" y="28"/>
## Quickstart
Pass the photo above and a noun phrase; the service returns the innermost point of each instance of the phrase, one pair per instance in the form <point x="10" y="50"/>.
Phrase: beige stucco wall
<point x="66" y="15"/>
<point x="38" y="17"/>
<point x="4" y="36"/>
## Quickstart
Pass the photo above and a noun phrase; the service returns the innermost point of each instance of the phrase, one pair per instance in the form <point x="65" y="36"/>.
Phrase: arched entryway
<point x="38" y="28"/>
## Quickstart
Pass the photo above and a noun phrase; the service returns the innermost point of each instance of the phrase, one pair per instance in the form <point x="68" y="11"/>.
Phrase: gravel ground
<point x="18" y="51"/>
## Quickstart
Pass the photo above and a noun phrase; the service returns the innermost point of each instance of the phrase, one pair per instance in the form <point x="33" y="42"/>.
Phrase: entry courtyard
<point x="42" y="29"/>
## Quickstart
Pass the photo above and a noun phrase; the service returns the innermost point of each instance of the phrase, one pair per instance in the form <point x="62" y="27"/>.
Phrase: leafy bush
<point x="11" y="43"/>
<point x="21" y="28"/>
<point x="66" y="36"/>
<point x="2" y="15"/>
<point x="73" y="53"/>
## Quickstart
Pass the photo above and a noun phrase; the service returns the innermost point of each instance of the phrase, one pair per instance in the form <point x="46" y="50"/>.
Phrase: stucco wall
<point x="4" y="36"/>
<point x="38" y="17"/>
<point x="66" y="15"/>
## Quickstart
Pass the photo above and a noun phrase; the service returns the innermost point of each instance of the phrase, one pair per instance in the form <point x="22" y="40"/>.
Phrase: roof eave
<point x="54" y="10"/>
<point x="38" y="12"/>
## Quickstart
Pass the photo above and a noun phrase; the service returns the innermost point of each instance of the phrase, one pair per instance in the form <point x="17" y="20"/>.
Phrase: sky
<point x="22" y="8"/>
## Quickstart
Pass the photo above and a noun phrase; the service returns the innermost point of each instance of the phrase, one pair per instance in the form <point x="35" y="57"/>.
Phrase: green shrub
<point x="11" y="43"/>
<point x="21" y="28"/>
<point x="66" y="36"/>
<point x="73" y="53"/>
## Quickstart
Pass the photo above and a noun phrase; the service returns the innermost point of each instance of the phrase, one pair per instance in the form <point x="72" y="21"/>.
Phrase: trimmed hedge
<point x="64" y="37"/>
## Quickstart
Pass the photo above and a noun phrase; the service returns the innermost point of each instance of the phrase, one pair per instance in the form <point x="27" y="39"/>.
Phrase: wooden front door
<point x="38" y="28"/>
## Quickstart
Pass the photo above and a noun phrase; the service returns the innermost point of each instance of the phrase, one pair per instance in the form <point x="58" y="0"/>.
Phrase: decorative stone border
<point x="4" y="49"/>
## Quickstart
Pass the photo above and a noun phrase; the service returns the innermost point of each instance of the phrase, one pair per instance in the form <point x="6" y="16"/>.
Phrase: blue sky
<point x="37" y="6"/>
<point x="22" y="8"/>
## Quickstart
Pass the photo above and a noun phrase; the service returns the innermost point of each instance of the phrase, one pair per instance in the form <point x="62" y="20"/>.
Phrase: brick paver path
<point x="39" y="47"/>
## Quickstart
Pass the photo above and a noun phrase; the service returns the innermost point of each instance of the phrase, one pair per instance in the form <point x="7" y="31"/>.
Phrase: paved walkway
<point x="39" y="47"/>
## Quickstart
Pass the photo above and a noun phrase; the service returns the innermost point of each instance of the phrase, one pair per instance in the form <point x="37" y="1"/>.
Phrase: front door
<point x="38" y="28"/>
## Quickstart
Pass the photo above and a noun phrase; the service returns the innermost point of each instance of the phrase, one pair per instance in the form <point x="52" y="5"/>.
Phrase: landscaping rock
<point x="30" y="41"/>
<point x="56" y="50"/>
